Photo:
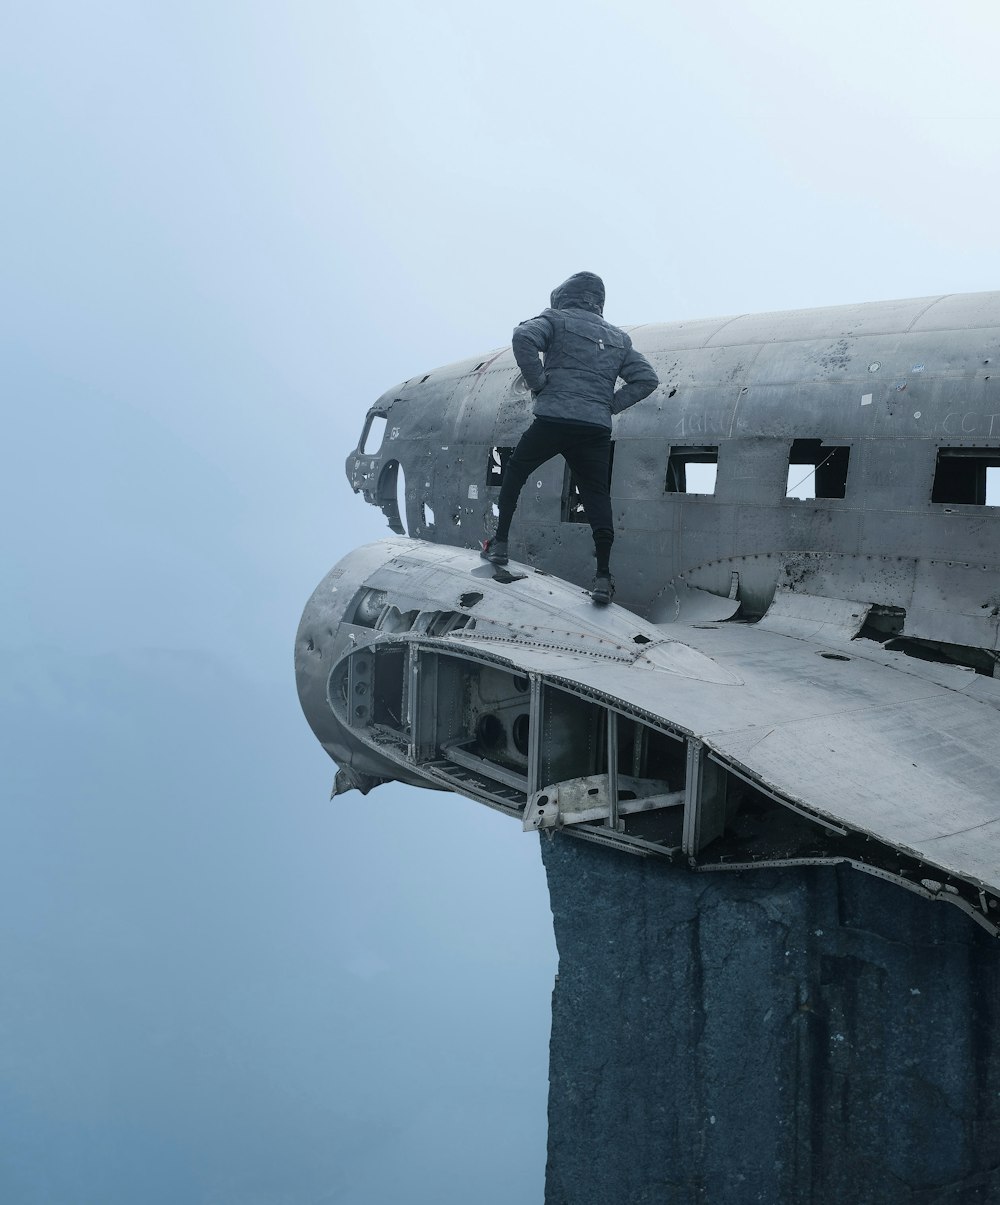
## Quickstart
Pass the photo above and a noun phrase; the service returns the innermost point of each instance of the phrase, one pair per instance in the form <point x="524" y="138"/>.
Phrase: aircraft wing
<point x="732" y="745"/>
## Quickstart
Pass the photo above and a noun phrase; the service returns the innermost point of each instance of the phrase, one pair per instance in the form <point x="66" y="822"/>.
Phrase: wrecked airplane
<point x="801" y="667"/>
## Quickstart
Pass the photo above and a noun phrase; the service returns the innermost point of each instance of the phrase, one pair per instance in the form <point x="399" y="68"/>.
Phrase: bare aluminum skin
<point x="789" y="681"/>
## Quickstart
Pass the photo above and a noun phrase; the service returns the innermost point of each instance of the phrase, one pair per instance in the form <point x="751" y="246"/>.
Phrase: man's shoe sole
<point x="602" y="595"/>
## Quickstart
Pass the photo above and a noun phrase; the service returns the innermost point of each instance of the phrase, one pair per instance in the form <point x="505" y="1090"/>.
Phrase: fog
<point x="227" y="229"/>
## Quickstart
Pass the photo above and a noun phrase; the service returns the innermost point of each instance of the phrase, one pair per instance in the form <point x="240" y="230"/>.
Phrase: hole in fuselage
<point x="368" y="608"/>
<point x="882" y="624"/>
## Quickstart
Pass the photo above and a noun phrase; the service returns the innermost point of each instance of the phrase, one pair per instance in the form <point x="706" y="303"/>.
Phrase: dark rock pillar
<point x="809" y="1036"/>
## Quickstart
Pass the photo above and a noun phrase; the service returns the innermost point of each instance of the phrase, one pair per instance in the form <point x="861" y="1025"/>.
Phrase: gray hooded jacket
<point x="582" y="357"/>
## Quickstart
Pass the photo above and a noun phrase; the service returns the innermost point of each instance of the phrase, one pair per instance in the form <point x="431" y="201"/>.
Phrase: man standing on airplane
<point x="573" y="388"/>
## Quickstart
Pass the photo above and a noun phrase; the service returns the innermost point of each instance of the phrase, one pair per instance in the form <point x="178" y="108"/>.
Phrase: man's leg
<point x="539" y="443"/>
<point x="589" y="458"/>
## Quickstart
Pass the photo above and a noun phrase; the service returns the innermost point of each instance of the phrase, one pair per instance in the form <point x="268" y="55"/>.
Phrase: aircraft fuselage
<point x="886" y="412"/>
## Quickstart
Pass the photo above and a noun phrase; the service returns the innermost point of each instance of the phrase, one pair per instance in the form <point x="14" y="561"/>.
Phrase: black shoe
<point x="495" y="551"/>
<point x="604" y="589"/>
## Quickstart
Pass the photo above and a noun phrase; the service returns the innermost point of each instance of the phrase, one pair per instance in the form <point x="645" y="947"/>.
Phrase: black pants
<point x="587" y="451"/>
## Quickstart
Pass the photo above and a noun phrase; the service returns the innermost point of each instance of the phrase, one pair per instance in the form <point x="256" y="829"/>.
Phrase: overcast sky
<point x="227" y="228"/>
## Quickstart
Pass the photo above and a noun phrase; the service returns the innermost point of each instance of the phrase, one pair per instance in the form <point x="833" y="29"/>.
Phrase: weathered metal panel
<point x="961" y="533"/>
<point x="896" y="476"/>
<point x="753" y="473"/>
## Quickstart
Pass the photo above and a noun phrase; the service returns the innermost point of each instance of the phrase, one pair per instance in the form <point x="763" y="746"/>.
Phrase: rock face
<point x="813" y="1035"/>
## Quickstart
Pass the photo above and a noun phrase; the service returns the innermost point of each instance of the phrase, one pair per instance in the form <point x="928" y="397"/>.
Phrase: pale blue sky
<point x="226" y="229"/>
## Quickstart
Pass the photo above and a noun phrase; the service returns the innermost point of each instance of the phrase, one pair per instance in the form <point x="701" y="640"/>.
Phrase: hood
<point x="581" y="291"/>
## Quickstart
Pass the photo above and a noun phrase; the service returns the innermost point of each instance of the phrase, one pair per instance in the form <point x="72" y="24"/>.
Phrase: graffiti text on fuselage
<point x="701" y="424"/>
<point x="970" y="423"/>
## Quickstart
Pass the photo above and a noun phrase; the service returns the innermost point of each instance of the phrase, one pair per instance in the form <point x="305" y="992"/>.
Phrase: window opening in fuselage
<point x="817" y="470"/>
<point x="967" y="476"/>
<point x="692" y="469"/>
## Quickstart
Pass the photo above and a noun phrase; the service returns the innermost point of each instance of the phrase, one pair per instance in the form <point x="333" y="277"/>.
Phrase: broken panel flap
<point x="814" y="617"/>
